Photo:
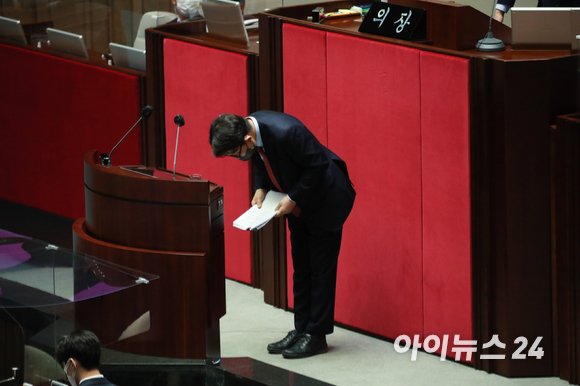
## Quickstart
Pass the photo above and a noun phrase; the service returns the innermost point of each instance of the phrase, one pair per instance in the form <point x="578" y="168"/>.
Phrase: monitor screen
<point x="545" y="27"/>
<point x="224" y="18"/>
<point x="67" y="43"/>
<point x="11" y="29"/>
<point x="127" y="57"/>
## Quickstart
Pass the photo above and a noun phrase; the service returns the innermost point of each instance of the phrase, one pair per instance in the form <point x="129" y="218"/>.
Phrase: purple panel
<point x="95" y="291"/>
<point x="4" y="233"/>
<point x="12" y="255"/>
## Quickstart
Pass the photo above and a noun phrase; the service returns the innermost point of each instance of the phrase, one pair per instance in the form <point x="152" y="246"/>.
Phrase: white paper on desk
<point x="254" y="218"/>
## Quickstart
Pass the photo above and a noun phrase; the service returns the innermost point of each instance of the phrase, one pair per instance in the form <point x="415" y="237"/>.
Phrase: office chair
<point x="149" y="20"/>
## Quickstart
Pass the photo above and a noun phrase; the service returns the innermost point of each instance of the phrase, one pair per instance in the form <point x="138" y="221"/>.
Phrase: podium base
<point x="490" y="44"/>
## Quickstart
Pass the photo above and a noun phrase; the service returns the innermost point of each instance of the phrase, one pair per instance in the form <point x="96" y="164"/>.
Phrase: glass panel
<point x="47" y="292"/>
<point x="257" y="6"/>
<point x="98" y="21"/>
<point x="101" y="22"/>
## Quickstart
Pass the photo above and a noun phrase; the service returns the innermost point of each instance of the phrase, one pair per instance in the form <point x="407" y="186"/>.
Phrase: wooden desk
<point x="57" y="107"/>
<point x="449" y="149"/>
<point x="457" y="143"/>
<point x="234" y="88"/>
<point x="198" y="76"/>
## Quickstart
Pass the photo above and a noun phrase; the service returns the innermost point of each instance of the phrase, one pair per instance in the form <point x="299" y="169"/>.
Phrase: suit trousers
<point x="315" y="258"/>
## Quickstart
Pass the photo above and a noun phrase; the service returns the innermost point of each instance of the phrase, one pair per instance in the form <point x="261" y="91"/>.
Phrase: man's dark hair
<point x="227" y="133"/>
<point x="82" y="345"/>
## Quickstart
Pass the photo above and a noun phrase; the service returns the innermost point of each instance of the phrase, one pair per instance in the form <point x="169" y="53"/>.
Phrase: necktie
<point x="269" y="169"/>
<point x="296" y="210"/>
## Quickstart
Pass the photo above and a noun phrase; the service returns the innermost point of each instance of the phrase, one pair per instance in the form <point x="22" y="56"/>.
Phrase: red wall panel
<point x="446" y="195"/>
<point x="374" y="125"/>
<point x="304" y="92"/>
<point x="305" y="77"/>
<point x="402" y="126"/>
<point x="200" y="84"/>
<point x="54" y="111"/>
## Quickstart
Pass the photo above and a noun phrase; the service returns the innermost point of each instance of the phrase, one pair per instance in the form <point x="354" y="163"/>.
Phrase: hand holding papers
<point x="254" y="219"/>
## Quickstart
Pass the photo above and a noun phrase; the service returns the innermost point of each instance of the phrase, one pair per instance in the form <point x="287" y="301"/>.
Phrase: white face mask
<point x="190" y="9"/>
<point x="71" y="378"/>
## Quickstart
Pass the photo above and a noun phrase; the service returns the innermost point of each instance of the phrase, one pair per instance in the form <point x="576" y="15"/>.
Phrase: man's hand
<point x="259" y="197"/>
<point x="284" y="207"/>
<point x="498" y="15"/>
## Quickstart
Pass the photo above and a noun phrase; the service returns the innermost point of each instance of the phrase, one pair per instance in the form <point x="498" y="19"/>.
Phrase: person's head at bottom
<point x="79" y="353"/>
<point x="232" y="136"/>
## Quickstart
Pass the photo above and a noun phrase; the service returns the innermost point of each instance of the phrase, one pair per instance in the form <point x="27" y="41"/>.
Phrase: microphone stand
<point x="126" y="134"/>
<point x="179" y="121"/>
<point x="145" y="113"/>
<point x="11" y="380"/>
<point x="489" y="43"/>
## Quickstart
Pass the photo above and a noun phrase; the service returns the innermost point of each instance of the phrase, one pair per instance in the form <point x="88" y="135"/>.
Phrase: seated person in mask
<point x="79" y="353"/>
<point x="191" y="10"/>
<point x="187" y="10"/>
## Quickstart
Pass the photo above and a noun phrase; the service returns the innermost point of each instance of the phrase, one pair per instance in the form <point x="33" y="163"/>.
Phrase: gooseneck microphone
<point x="489" y="43"/>
<point x="145" y="113"/>
<point x="179" y="121"/>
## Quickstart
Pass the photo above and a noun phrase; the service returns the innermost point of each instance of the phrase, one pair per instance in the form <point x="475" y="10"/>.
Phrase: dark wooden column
<point x="511" y="198"/>
<point x="269" y="262"/>
<point x="566" y="264"/>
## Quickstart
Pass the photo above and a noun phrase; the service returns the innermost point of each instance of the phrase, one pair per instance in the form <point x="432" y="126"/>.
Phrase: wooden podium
<point x="145" y="219"/>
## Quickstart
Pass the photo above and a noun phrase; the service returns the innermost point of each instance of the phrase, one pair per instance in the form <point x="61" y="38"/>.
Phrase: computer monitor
<point x="127" y="57"/>
<point x="11" y="29"/>
<point x="67" y="43"/>
<point x="224" y="18"/>
<point x="545" y="27"/>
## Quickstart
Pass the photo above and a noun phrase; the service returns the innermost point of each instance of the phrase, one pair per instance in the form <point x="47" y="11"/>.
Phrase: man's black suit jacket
<point x="96" y="382"/>
<point x="312" y="175"/>
<point x="509" y="3"/>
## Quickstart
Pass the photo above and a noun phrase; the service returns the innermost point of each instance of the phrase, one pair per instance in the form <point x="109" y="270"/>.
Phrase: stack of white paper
<point x="255" y="218"/>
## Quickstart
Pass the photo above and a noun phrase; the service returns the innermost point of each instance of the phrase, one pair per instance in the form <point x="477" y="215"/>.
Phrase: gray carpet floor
<point x="249" y="325"/>
<point x="353" y="359"/>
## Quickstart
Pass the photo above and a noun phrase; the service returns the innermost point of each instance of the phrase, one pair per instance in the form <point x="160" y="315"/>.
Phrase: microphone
<point x="106" y="158"/>
<point x="179" y="121"/>
<point x="489" y="43"/>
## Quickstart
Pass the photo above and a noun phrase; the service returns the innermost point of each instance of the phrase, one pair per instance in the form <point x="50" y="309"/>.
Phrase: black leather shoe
<point x="306" y="346"/>
<point x="287" y="342"/>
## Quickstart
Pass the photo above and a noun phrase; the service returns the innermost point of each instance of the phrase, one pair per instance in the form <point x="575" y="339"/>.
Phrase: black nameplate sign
<point x="395" y="21"/>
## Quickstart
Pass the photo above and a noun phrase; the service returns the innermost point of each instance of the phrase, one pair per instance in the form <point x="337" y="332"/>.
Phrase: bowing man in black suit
<point x="289" y="159"/>
<point x="79" y="353"/>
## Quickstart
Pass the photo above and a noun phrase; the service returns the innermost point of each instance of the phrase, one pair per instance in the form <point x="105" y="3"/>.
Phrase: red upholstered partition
<point x="304" y="92"/>
<point x="305" y="81"/>
<point x="52" y="112"/>
<point x="200" y="84"/>
<point x="403" y="129"/>
<point x="374" y="124"/>
<point x="446" y="195"/>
